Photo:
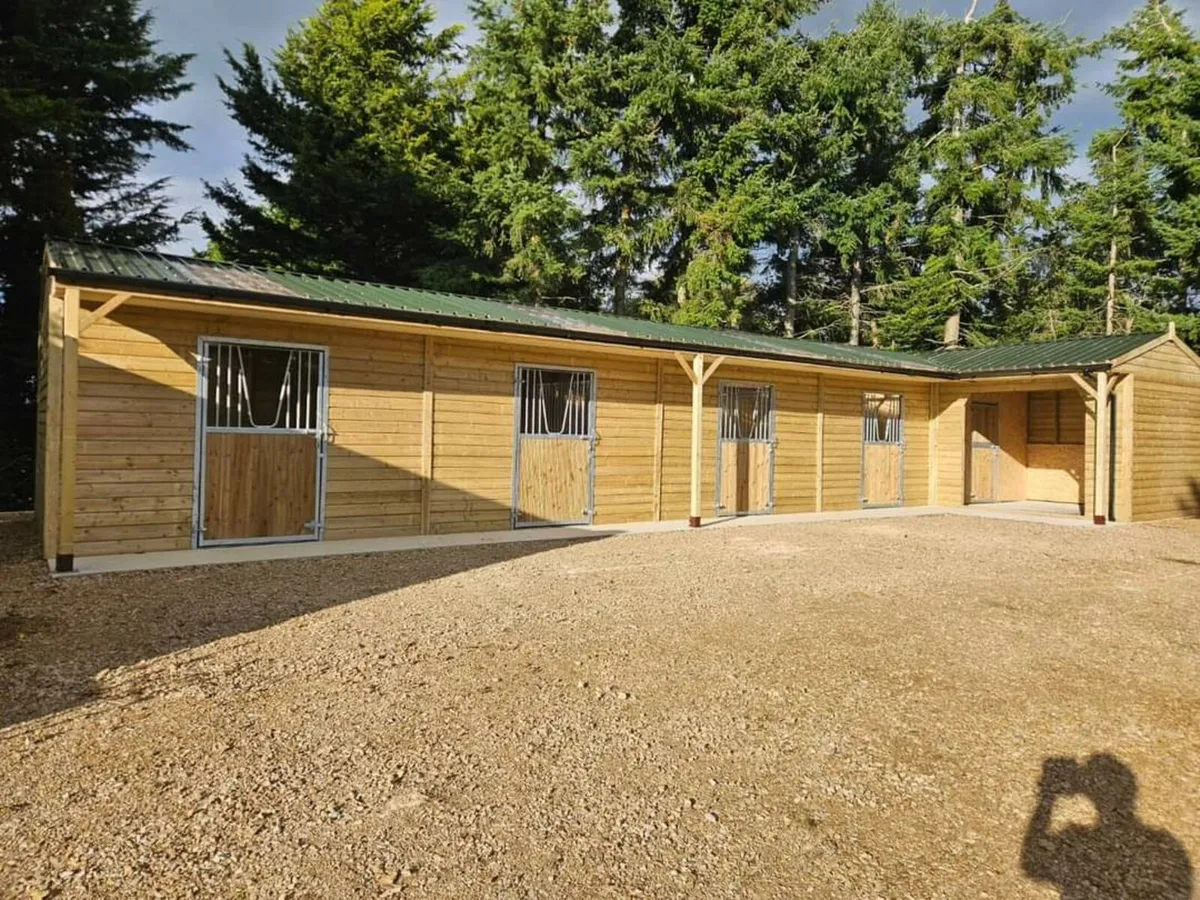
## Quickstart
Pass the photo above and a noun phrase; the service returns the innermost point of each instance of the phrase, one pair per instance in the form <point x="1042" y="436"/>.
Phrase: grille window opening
<point x="883" y="418"/>
<point x="555" y="403"/>
<point x="258" y="388"/>
<point x="746" y="413"/>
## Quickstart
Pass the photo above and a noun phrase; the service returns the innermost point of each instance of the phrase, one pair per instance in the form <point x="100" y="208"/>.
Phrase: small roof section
<point x="104" y="265"/>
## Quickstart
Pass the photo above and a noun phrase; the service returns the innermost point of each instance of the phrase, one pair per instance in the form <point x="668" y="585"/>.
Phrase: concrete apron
<point x="174" y="559"/>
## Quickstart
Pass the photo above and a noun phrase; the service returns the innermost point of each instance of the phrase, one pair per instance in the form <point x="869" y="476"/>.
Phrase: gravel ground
<point x="849" y="710"/>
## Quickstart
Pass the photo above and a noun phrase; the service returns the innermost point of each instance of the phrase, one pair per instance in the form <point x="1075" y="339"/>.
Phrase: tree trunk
<point x="950" y="333"/>
<point x="1111" y="305"/>
<point x="621" y="278"/>
<point x="856" y="274"/>
<point x="789" y="281"/>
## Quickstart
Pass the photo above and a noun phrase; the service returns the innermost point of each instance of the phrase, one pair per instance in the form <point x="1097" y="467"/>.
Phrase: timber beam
<point x="87" y="320"/>
<point x="698" y="373"/>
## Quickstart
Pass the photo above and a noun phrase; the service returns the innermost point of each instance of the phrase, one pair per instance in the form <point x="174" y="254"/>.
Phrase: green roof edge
<point x="1043" y="357"/>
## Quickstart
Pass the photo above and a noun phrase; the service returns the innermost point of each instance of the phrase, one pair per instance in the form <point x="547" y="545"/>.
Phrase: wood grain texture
<point x="552" y="482"/>
<point x="883" y="474"/>
<point x="745" y="477"/>
<point x="257" y="485"/>
<point x="1056" y="473"/>
<point x="1165" y="464"/>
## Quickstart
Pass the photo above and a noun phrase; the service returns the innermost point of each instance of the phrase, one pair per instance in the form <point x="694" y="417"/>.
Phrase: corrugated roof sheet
<point x="1070" y="352"/>
<point x="191" y="275"/>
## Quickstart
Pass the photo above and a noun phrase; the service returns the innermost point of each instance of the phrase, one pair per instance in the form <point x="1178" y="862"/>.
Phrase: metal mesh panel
<point x="746" y="413"/>
<point x="555" y="403"/>
<point x="883" y="418"/>
<point x="254" y="388"/>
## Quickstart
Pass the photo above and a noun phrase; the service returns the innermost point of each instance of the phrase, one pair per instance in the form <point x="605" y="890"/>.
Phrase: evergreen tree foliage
<point x="520" y="124"/>
<point x="1158" y="95"/>
<point x="354" y="168"/>
<point x="864" y="186"/>
<point x="995" y="164"/>
<point x="78" y="81"/>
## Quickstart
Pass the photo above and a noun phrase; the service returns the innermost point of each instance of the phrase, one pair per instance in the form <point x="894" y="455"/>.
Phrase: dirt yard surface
<point x="850" y="710"/>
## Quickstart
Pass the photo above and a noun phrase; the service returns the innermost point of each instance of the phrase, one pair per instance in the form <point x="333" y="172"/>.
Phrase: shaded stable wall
<point x="1027" y="471"/>
<point x="137" y="418"/>
<point x="137" y="429"/>
<point x="1164" y="464"/>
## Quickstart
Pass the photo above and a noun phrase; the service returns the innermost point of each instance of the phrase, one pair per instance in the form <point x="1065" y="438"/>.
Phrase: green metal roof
<point x="123" y="267"/>
<point x="1079" y="352"/>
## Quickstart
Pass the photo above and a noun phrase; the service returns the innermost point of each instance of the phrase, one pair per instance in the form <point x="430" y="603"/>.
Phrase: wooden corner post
<point x="699" y="375"/>
<point x="64" y="557"/>
<point x="427" y="435"/>
<point x="1100" y="459"/>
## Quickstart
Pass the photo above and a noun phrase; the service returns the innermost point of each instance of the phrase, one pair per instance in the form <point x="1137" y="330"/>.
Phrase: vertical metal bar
<point x="229" y="378"/>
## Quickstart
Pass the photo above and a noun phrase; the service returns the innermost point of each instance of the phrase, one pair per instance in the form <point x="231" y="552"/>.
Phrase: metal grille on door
<point x="261" y="447"/>
<point x="745" y="449"/>
<point x="554" y="452"/>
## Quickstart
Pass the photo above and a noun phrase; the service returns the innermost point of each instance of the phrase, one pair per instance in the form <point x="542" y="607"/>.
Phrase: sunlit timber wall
<point x="137" y="428"/>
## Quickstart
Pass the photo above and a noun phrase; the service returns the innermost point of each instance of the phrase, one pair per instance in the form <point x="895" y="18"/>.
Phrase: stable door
<point x="555" y="447"/>
<point x="985" y="453"/>
<point x="883" y="450"/>
<point x="745" y="449"/>
<point x="261" y="443"/>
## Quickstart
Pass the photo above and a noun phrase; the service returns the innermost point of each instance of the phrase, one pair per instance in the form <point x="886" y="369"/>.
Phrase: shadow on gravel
<point x="57" y="635"/>
<point x="1117" y="855"/>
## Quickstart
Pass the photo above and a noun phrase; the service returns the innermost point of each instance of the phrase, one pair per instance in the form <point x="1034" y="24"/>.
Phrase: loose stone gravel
<point x="849" y="710"/>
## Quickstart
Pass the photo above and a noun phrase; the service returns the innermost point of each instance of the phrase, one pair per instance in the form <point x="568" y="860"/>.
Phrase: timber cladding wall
<point x="843" y="413"/>
<point x="137" y="422"/>
<point x="137" y="414"/>
<point x="1166" y="434"/>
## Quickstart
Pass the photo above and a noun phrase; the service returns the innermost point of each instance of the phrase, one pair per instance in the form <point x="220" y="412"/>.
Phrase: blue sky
<point x="219" y="144"/>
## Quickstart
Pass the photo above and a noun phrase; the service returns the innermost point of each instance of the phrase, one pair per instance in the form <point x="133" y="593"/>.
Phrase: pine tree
<point x="995" y="164"/>
<point x="624" y="159"/>
<point x="1111" y="269"/>
<point x="354" y="167"/>
<point x="518" y="131"/>
<point x="78" y="81"/>
<point x="867" y="168"/>
<point x="723" y="204"/>
<point x="1158" y="96"/>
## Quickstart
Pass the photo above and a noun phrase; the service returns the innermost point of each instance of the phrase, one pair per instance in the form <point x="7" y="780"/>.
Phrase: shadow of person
<point x="1118" y="856"/>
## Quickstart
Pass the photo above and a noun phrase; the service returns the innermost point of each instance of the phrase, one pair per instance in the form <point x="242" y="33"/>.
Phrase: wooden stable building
<point x="185" y="403"/>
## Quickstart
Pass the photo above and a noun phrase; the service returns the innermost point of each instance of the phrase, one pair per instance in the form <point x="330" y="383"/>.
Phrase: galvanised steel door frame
<point x="726" y="390"/>
<point x="901" y="444"/>
<point x="518" y="437"/>
<point x="319" y="431"/>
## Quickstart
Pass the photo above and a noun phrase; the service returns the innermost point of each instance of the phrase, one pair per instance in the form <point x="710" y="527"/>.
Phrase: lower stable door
<point x="261" y="450"/>
<point x="554" y="457"/>
<point x="745" y="449"/>
<point x="883" y="450"/>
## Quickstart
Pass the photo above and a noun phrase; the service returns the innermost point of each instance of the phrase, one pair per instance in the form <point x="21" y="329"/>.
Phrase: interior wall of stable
<point x="135" y="459"/>
<point x="1027" y="471"/>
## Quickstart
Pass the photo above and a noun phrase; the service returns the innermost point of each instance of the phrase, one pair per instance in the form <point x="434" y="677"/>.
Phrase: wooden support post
<point x="64" y="557"/>
<point x="52" y="451"/>
<point x="699" y="376"/>
<point x="1123" y="498"/>
<point x="87" y="320"/>
<point x="697" y="438"/>
<point x="658" y="442"/>
<point x="820" y="443"/>
<point x="1100" y="462"/>
<point x="935" y="403"/>
<point x="1084" y="386"/>
<point x="427" y="435"/>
